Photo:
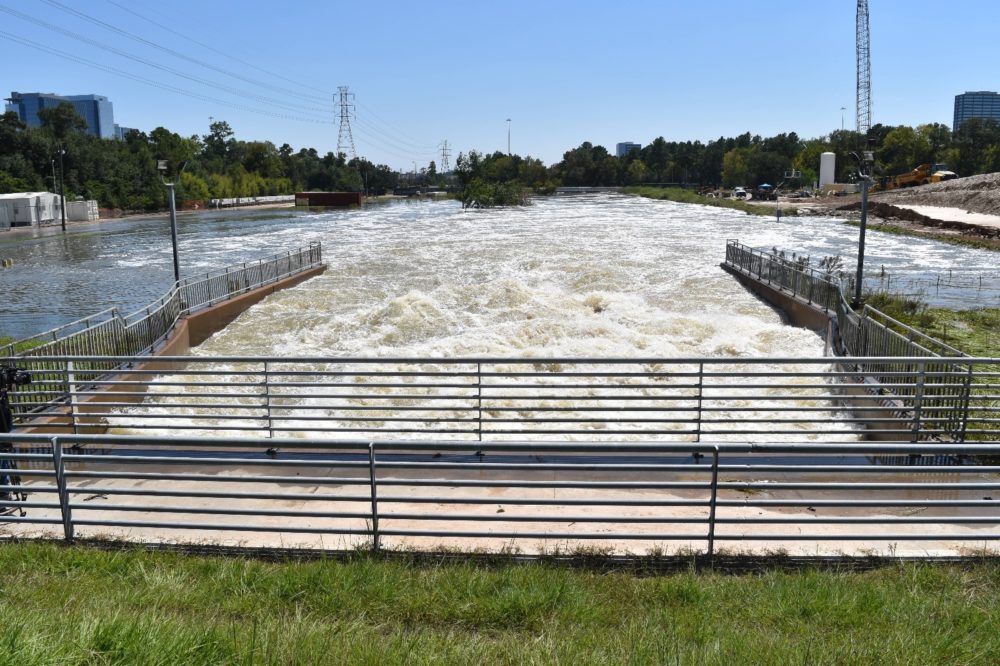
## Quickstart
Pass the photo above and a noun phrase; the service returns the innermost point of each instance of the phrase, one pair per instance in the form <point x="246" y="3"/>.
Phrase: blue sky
<point x="564" y="72"/>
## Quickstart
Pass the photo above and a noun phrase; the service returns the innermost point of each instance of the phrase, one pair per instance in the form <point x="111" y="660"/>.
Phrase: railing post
<point x="374" y="485"/>
<point x="60" y="470"/>
<point x="966" y="400"/>
<point x="701" y="384"/>
<point x="918" y="399"/>
<point x="71" y="394"/>
<point x="267" y="399"/>
<point x="713" y="501"/>
<point x="479" y="402"/>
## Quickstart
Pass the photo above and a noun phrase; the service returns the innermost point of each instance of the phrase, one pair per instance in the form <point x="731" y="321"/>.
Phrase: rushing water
<point x="594" y="275"/>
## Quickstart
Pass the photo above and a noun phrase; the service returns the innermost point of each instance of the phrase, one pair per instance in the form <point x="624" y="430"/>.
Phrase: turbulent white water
<point x="582" y="277"/>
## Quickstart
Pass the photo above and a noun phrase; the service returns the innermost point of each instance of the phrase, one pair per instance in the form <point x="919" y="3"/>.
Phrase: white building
<point x="82" y="211"/>
<point x="28" y="209"/>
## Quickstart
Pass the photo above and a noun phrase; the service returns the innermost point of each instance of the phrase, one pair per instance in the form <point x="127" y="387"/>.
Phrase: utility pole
<point x="345" y="138"/>
<point x="445" y="154"/>
<point x="508" y="137"/>
<point x="62" y="188"/>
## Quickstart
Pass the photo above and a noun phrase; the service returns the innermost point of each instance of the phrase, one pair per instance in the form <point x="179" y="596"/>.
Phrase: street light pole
<point x="161" y="165"/>
<point x="842" y="109"/>
<point x="62" y="188"/>
<point x="173" y="232"/>
<point x="508" y="137"/>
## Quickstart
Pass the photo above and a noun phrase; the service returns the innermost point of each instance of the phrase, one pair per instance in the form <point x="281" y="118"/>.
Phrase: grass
<point x="952" y="239"/>
<point x="687" y="196"/>
<point x="78" y="605"/>
<point x="976" y="332"/>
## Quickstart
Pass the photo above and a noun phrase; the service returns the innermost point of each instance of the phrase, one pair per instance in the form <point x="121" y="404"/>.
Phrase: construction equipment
<point x="921" y="175"/>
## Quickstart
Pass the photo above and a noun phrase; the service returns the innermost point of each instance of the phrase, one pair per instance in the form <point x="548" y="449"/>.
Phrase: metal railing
<point x="533" y="497"/>
<point x="873" y="334"/>
<point x="815" y="287"/>
<point x="480" y="399"/>
<point x="108" y="333"/>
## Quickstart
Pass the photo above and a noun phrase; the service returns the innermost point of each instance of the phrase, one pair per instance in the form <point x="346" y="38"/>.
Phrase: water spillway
<point x="595" y="276"/>
<point x="483" y="269"/>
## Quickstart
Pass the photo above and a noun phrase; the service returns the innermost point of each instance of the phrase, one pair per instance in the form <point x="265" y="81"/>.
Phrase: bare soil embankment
<point x="975" y="194"/>
<point x="952" y="211"/>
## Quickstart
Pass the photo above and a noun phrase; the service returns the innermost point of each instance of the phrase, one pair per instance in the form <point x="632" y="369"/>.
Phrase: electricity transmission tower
<point x="345" y="139"/>
<point x="445" y="154"/>
<point x="864" y="100"/>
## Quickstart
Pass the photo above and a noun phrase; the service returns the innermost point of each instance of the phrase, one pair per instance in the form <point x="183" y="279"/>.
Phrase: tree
<point x="636" y="173"/>
<point x="736" y="167"/>
<point x="61" y="120"/>
<point x="903" y="149"/>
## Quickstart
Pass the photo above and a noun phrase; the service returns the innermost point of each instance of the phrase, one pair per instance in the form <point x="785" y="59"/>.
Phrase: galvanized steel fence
<point x="871" y="333"/>
<point x="479" y="399"/>
<point x="620" y="497"/>
<point x="109" y="334"/>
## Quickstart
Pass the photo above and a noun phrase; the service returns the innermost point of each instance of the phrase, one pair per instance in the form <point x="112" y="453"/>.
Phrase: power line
<point x="396" y="133"/>
<point x="233" y="91"/>
<point x="156" y="84"/>
<point x="219" y="52"/>
<point x="176" y="54"/>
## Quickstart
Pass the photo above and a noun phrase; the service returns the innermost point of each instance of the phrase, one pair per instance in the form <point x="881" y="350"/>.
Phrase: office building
<point x="94" y="109"/>
<point x="626" y="147"/>
<point x="979" y="104"/>
<point x="121" y="132"/>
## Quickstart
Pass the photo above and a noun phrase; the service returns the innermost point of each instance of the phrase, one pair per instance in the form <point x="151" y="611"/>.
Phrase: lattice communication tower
<point x="864" y="100"/>
<point x="345" y="139"/>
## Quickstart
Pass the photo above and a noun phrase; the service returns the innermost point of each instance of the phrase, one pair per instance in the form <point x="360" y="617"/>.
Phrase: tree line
<point x="751" y="160"/>
<point x="123" y="174"/>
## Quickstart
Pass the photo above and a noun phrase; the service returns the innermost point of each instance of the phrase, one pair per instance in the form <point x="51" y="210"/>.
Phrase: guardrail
<point x="108" y="333"/>
<point x="532" y="497"/>
<point x="872" y="333"/>
<point x="479" y="399"/>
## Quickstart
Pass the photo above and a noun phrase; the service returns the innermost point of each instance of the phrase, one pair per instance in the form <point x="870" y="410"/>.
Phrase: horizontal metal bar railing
<point x="873" y="333"/>
<point x="473" y="399"/>
<point x="109" y="333"/>
<point x="683" y="496"/>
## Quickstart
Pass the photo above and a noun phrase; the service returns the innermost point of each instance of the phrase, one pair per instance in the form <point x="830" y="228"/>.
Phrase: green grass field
<point x="77" y="605"/>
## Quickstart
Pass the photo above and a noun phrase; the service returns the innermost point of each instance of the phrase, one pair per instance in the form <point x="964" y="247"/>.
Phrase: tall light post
<point x="161" y="166"/>
<point x="62" y="188"/>
<point x="842" y="109"/>
<point x="865" y="161"/>
<point x="508" y="137"/>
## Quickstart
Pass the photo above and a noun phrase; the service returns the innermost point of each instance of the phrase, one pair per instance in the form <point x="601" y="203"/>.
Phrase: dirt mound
<point x="976" y="194"/>
<point x="884" y="211"/>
